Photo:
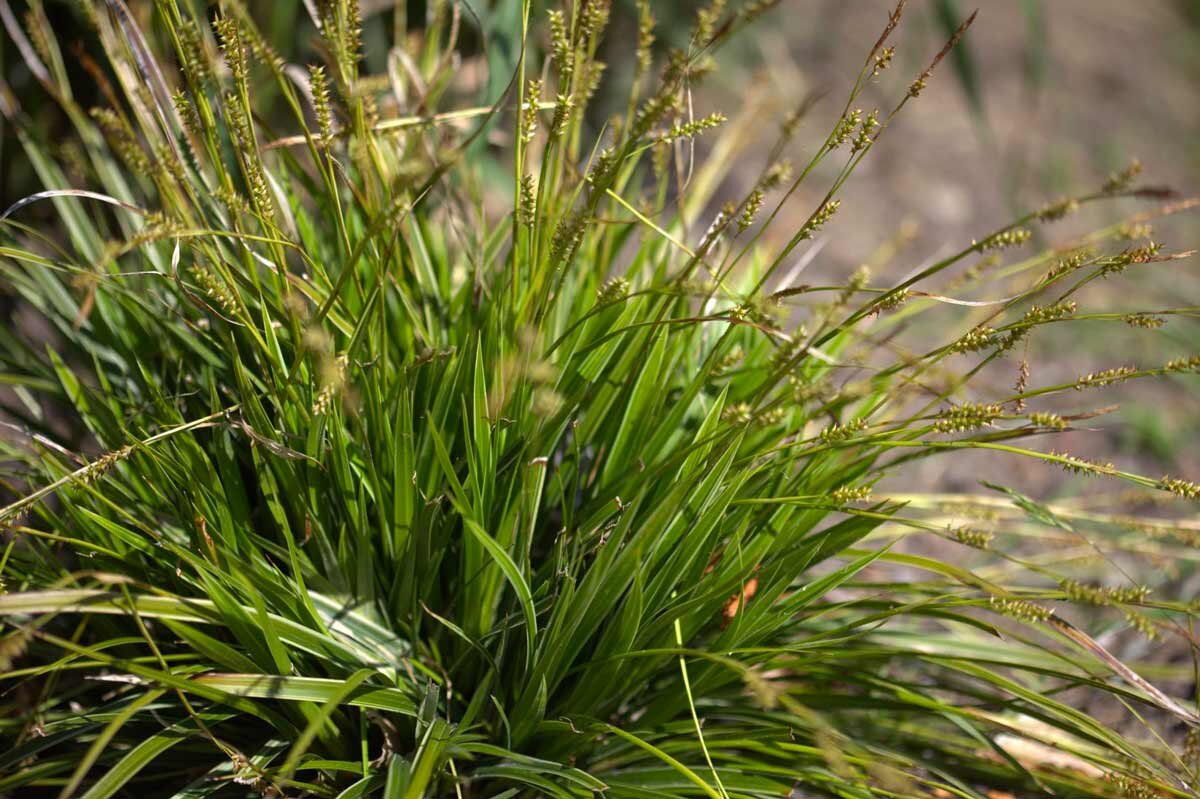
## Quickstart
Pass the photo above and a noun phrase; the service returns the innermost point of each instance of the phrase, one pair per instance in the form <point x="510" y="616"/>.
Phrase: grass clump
<point x="332" y="474"/>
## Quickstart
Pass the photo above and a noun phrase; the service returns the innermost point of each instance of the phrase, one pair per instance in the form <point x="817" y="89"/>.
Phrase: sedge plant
<point x="334" y="470"/>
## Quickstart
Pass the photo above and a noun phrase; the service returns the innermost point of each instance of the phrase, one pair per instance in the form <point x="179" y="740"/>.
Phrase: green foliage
<point x="399" y="485"/>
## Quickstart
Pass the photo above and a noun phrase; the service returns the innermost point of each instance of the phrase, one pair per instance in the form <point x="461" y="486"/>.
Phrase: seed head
<point x="527" y="211"/>
<point x="595" y="20"/>
<point x="567" y="236"/>
<point x="973" y="537"/>
<point x="863" y="140"/>
<point x="1180" y="488"/>
<point x="1135" y="255"/>
<point x="1068" y="264"/>
<point x="845" y="128"/>
<point x="1191" y="364"/>
<point x="187" y="112"/>
<point x="690" y="130"/>
<point x="322" y="107"/>
<point x="1142" y="624"/>
<point x="14" y="645"/>
<point x="333" y="379"/>
<point x="563" y="104"/>
<point x="645" y="41"/>
<point x="1057" y="210"/>
<point x="168" y="164"/>
<point x="892" y="300"/>
<point x="546" y="401"/>
<point x="678" y="65"/>
<point x="122" y="139"/>
<point x="97" y="468"/>
<point x="979" y="338"/>
<point x="652" y="111"/>
<point x="1133" y="231"/>
<point x="1036" y="315"/>
<point x="963" y="418"/>
<point x="1050" y="421"/>
<point x="1009" y="238"/>
<point x="231" y="44"/>
<point x="860" y="278"/>
<point x="560" y="49"/>
<point x="776" y="175"/>
<point x="344" y="32"/>
<point x="611" y="290"/>
<point x="1191" y="748"/>
<point x="1144" y="254"/>
<point x="193" y="56"/>
<point x="757" y="309"/>
<point x="717" y="227"/>
<point x="843" y="432"/>
<point x="215" y="288"/>
<point x="1118" y="181"/>
<point x="1076" y="465"/>
<point x="529" y="111"/>
<point x="753" y="204"/>
<point x="883" y="59"/>
<point x="1131" y="787"/>
<point x="740" y="413"/>
<point x="1143" y="320"/>
<point x="156" y="227"/>
<point x="1021" y="384"/>
<point x="1102" y="596"/>
<point x="232" y="199"/>
<point x="590" y="75"/>
<point x="756" y="8"/>
<point x="848" y="494"/>
<point x="1020" y="609"/>
<point x="260" y="192"/>
<point x="1106" y="378"/>
<point x="706" y="21"/>
<point x="819" y="219"/>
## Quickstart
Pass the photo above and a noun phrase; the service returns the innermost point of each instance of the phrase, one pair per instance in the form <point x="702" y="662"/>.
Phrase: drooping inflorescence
<point x="971" y="416"/>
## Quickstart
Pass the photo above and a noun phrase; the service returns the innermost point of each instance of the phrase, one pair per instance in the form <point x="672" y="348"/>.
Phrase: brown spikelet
<point x="950" y="45"/>
<point x="1021" y="384"/>
<point x="1153" y="193"/>
<point x="890" y="28"/>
